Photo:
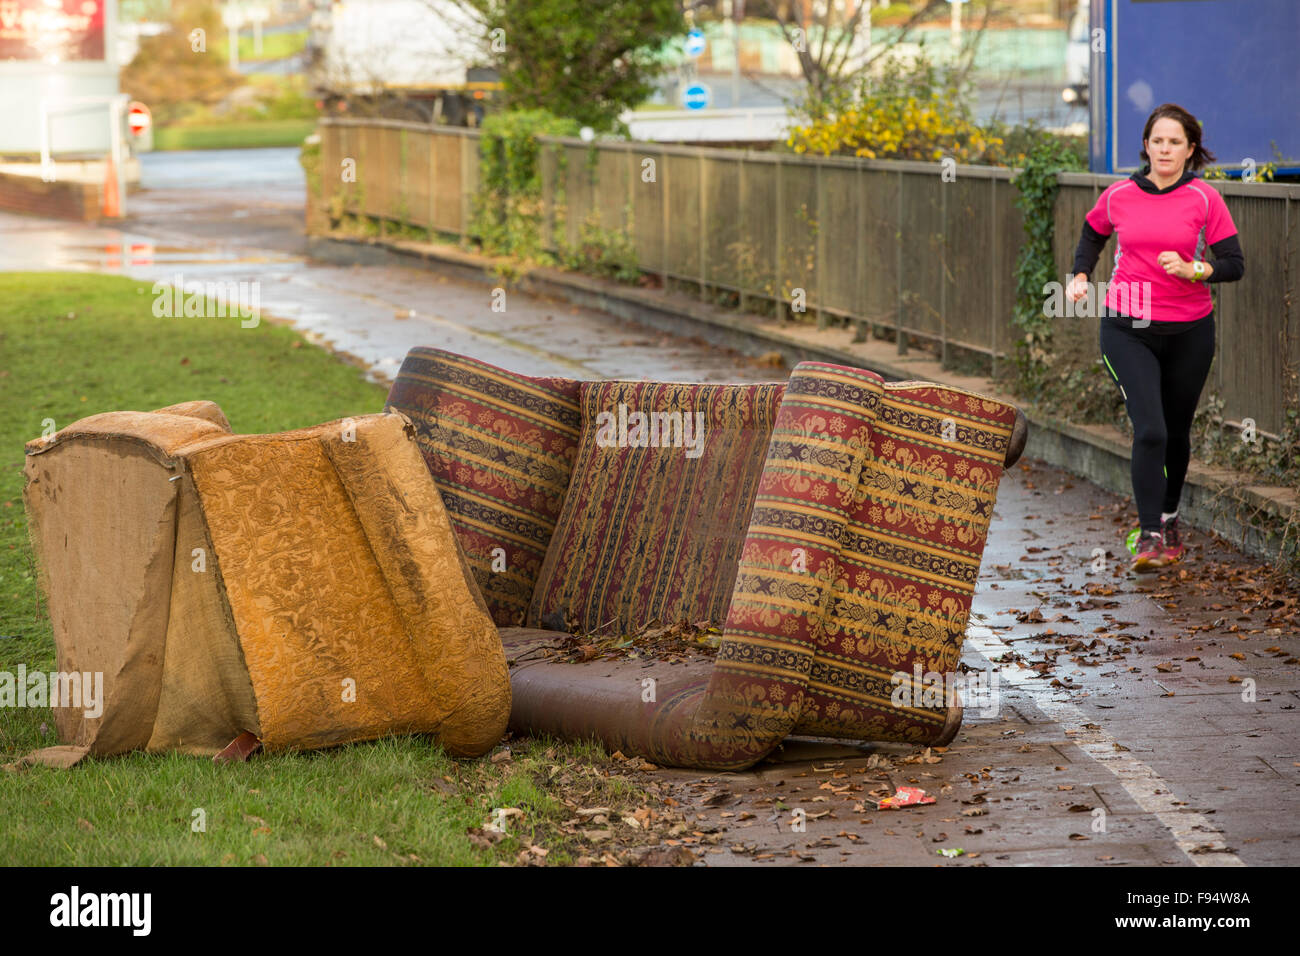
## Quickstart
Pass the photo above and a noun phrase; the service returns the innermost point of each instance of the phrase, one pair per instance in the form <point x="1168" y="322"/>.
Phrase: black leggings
<point x="1160" y="375"/>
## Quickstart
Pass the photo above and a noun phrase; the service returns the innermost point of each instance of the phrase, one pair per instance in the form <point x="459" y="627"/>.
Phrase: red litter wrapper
<point x="906" y="797"/>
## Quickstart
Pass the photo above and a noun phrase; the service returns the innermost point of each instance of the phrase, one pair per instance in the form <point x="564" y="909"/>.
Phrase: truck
<point x="1076" y="57"/>
<point x="1231" y="63"/>
<point x="404" y="59"/>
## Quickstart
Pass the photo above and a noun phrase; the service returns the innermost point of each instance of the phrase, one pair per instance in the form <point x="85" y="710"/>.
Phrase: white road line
<point x="1190" y="830"/>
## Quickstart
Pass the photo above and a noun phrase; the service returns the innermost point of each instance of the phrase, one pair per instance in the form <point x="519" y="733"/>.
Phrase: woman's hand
<point x="1175" y="265"/>
<point x="1077" y="288"/>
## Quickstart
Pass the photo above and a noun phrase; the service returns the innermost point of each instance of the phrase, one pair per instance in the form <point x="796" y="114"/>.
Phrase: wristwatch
<point x="1198" y="271"/>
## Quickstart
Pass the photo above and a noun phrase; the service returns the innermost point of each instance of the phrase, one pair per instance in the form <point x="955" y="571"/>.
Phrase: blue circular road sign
<point x="696" y="96"/>
<point x="695" y="43"/>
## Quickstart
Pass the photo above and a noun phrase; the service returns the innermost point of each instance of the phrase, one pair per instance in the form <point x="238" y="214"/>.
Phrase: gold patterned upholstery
<point x="305" y="587"/>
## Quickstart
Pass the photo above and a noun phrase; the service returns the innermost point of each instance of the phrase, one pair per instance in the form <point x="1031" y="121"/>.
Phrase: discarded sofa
<point x="304" y="588"/>
<point x="832" y="526"/>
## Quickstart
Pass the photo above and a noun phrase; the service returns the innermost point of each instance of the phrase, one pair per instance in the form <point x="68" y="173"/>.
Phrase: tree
<point x="832" y="40"/>
<point x="577" y="59"/>
<point x="827" y="36"/>
<point x="182" y="66"/>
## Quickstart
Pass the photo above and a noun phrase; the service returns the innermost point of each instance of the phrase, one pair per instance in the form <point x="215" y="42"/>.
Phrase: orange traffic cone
<point x="112" y="208"/>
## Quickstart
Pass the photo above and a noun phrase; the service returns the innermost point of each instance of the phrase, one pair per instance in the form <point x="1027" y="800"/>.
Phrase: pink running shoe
<point x="1150" y="552"/>
<point x="1173" y="540"/>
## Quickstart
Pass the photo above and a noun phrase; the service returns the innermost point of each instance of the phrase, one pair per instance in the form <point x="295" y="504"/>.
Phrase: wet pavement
<point x="1121" y="732"/>
<point x="235" y="216"/>
<point x="1138" y="721"/>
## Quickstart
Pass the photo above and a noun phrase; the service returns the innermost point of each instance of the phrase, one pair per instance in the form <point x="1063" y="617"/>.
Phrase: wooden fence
<point x="896" y="244"/>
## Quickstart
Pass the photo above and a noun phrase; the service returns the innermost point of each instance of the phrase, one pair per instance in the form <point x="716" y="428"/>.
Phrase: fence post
<point x="943" y="275"/>
<point x="464" y="192"/>
<point x="381" y="148"/>
<point x="403" y="194"/>
<point x="629" y="208"/>
<point x="819" y="245"/>
<point x="996" y="271"/>
<point x="555" y="151"/>
<point x="703" y="214"/>
<point x="664" y="217"/>
<point x="777" y="279"/>
<point x="346" y="151"/>
<point x="431" y="175"/>
<point x="899" y="334"/>
<point x="742" y="205"/>
<point x="860" y="275"/>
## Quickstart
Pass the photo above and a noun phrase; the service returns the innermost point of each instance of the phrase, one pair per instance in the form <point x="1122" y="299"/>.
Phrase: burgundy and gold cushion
<point x="910" y="558"/>
<point x="656" y="513"/>
<point x="860" y="559"/>
<point x="788" y="573"/>
<point x="790" y="569"/>
<point x="500" y="447"/>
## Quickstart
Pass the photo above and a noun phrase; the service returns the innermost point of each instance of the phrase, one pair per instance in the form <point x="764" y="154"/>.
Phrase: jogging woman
<point x="1157" y="325"/>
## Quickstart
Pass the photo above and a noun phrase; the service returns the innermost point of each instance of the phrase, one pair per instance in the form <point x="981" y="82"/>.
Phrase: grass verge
<point x="73" y="345"/>
<point x="237" y="135"/>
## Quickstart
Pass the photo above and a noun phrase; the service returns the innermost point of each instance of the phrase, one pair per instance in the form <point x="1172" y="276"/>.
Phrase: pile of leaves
<point x="598" y="811"/>
<point x="671" y="643"/>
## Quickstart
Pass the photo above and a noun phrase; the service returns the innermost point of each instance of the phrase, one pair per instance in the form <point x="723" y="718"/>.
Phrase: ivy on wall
<point x="508" y="209"/>
<point x="1036" y="264"/>
<point x="507" y="212"/>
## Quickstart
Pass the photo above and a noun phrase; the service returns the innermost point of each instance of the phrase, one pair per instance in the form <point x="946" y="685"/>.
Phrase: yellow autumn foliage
<point x="905" y="114"/>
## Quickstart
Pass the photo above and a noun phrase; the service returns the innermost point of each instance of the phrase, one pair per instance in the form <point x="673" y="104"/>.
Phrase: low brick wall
<point x="57" y="200"/>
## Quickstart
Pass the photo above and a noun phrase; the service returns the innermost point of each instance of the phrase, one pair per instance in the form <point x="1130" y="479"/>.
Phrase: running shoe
<point x="1173" y="540"/>
<point x="1149" y="554"/>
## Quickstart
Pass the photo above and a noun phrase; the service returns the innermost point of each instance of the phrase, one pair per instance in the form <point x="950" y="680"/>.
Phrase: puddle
<point x="116" y="255"/>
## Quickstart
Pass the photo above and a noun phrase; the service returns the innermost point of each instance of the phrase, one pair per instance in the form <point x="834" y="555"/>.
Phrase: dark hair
<point x="1191" y="128"/>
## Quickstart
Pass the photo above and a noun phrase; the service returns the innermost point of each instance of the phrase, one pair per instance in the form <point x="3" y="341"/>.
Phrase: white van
<point x="1076" y="57"/>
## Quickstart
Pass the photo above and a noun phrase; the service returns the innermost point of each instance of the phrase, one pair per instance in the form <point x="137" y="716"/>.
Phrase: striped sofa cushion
<point x="500" y="447"/>
<point x="654" y="533"/>
<point x="788" y="576"/>
<point x="910" y="558"/>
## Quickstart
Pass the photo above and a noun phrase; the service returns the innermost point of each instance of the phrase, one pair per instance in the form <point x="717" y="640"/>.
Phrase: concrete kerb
<point x="1214" y="499"/>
